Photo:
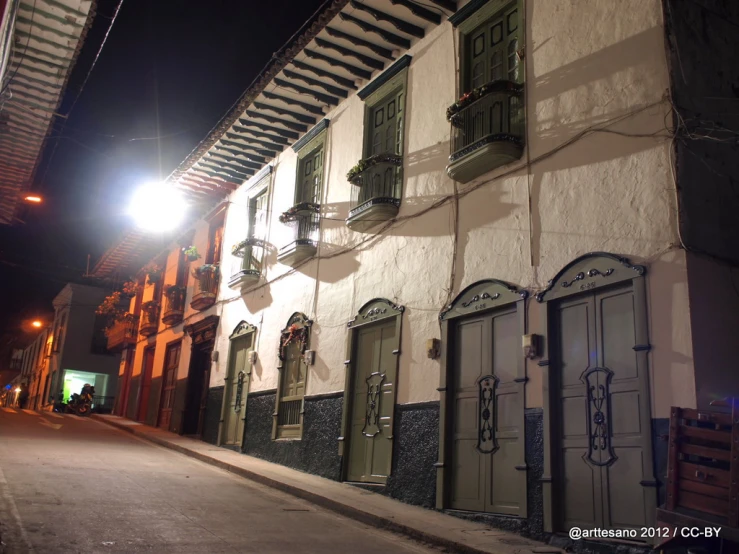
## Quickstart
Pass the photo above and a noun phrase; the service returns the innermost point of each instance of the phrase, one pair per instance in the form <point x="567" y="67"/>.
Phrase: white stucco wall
<point x="574" y="191"/>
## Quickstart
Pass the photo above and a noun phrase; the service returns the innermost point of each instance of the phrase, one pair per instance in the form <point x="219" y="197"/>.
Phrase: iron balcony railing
<point x="249" y="267"/>
<point x="495" y="115"/>
<point x="378" y="182"/>
<point x="123" y="333"/>
<point x="289" y="413"/>
<point x="207" y="278"/>
<point x="149" y="318"/>
<point x="174" y="306"/>
<point x="305" y="229"/>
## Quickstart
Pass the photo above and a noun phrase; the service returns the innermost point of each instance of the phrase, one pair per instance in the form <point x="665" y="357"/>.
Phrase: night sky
<point x="169" y="70"/>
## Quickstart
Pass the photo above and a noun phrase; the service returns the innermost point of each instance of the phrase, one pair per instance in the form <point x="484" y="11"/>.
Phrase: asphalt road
<point x="69" y="484"/>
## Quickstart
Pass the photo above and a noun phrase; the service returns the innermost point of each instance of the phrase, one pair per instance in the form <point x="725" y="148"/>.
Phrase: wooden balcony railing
<point x="149" y="318"/>
<point x="207" y="278"/>
<point x="174" y="306"/>
<point x="122" y="334"/>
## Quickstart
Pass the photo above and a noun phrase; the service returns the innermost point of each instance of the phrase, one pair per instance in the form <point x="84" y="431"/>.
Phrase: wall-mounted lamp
<point x="433" y="348"/>
<point x="531" y="346"/>
<point x="214" y="356"/>
<point x="309" y="357"/>
<point x="252" y="357"/>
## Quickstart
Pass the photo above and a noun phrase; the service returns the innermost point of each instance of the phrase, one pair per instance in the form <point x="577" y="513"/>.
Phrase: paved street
<point x="76" y="485"/>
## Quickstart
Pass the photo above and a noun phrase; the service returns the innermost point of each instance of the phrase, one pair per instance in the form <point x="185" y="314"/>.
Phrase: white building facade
<point x="491" y="313"/>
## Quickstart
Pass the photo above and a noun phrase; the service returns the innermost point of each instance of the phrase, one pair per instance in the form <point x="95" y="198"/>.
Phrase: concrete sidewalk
<point x="454" y="534"/>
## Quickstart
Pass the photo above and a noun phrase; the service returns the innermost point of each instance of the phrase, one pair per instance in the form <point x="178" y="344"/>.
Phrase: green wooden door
<point x="237" y="387"/>
<point x="603" y="420"/>
<point x="492" y="51"/>
<point x="487" y="442"/>
<point x="373" y="403"/>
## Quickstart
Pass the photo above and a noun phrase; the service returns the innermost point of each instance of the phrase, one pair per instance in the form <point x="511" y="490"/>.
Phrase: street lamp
<point x="17" y="389"/>
<point x="33" y="198"/>
<point x="157" y="207"/>
<point x="37" y="324"/>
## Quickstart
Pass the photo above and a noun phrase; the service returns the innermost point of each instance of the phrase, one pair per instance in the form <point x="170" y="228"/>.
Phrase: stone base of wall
<point x="416" y="450"/>
<point x="212" y="414"/>
<point x="316" y="452"/>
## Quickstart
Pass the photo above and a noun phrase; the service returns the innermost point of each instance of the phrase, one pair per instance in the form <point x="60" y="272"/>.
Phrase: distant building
<point x="71" y="352"/>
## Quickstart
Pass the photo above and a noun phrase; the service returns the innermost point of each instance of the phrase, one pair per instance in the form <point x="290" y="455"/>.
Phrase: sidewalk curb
<point x="349" y="511"/>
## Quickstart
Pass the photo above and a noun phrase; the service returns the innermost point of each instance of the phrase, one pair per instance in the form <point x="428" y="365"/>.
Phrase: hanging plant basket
<point x="131" y="289"/>
<point x="203" y="270"/>
<point x="191" y="253"/>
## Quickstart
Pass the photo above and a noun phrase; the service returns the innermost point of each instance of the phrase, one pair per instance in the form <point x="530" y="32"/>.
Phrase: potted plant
<point x="131" y="288"/>
<point x="191" y="253"/>
<point x="153" y="271"/>
<point x="111" y="308"/>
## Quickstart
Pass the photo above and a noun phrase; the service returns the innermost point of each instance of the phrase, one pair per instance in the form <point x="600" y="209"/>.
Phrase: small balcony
<point x="149" y="318"/>
<point x="122" y="334"/>
<point x="249" y="270"/>
<point x="174" y="307"/>
<point x="376" y="192"/>
<point x="304" y="219"/>
<point x="207" y="278"/>
<point x="487" y="130"/>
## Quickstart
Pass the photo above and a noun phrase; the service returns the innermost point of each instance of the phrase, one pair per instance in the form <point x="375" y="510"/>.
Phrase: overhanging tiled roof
<point x="341" y="49"/>
<point x="48" y="35"/>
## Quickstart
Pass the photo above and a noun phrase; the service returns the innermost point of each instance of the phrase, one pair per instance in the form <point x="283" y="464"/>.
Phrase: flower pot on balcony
<point x="206" y="286"/>
<point x="149" y="319"/>
<point x="376" y="193"/>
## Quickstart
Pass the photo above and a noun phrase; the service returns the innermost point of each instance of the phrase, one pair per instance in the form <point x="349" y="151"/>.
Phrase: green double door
<point x="603" y="422"/>
<point x="372" y="404"/>
<point x="489" y="471"/>
<point x="237" y="387"/>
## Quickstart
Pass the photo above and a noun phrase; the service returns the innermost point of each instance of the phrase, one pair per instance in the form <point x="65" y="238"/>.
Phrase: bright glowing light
<point x="33" y="198"/>
<point x="157" y="207"/>
<point x="17" y="389"/>
<point x="37" y="324"/>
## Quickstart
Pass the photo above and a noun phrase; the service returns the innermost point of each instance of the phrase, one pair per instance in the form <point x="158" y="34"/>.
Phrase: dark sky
<point x="169" y="69"/>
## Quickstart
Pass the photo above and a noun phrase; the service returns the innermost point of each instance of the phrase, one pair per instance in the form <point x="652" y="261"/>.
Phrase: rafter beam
<point x="448" y="5"/>
<point x="270" y="128"/>
<point x="353" y="69"/>
<point x="419" y="11"/>
<point x="307" y="107"/>
<point x="343" y="81"/>
<point x="366" y="60"/>
<point x="399" y="24"/>
<point x="264" y="143"/>
<point x="234" y="160"/>
<point x="325" y="98"/>
<point x="290" y="124"/>
<point x="314" y="83"/>
<point x="243" y="156"/>
<point x="392" y="38"/>
<point x="260" y="134"/>
<point x="241" y="146"/>
<point x="379" y="50"/>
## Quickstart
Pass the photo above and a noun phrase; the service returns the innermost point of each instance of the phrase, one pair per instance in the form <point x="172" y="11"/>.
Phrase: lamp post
<point x="157" y="207"/>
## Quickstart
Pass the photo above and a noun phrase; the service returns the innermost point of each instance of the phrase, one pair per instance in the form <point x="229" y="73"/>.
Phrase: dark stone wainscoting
<point x="316" y="452"/>
<point x="533" y="525"/>
<point x="416" y="450"/>
<point x="212" y="414"/>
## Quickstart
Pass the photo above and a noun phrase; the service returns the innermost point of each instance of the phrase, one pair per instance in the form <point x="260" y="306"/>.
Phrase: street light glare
<point x="37" y="324"/>
<point x="33" y="198"/>
<point x="157" y="207"/>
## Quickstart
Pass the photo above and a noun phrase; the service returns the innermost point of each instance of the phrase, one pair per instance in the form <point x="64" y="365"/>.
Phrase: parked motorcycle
<point x="81" y="404"/>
